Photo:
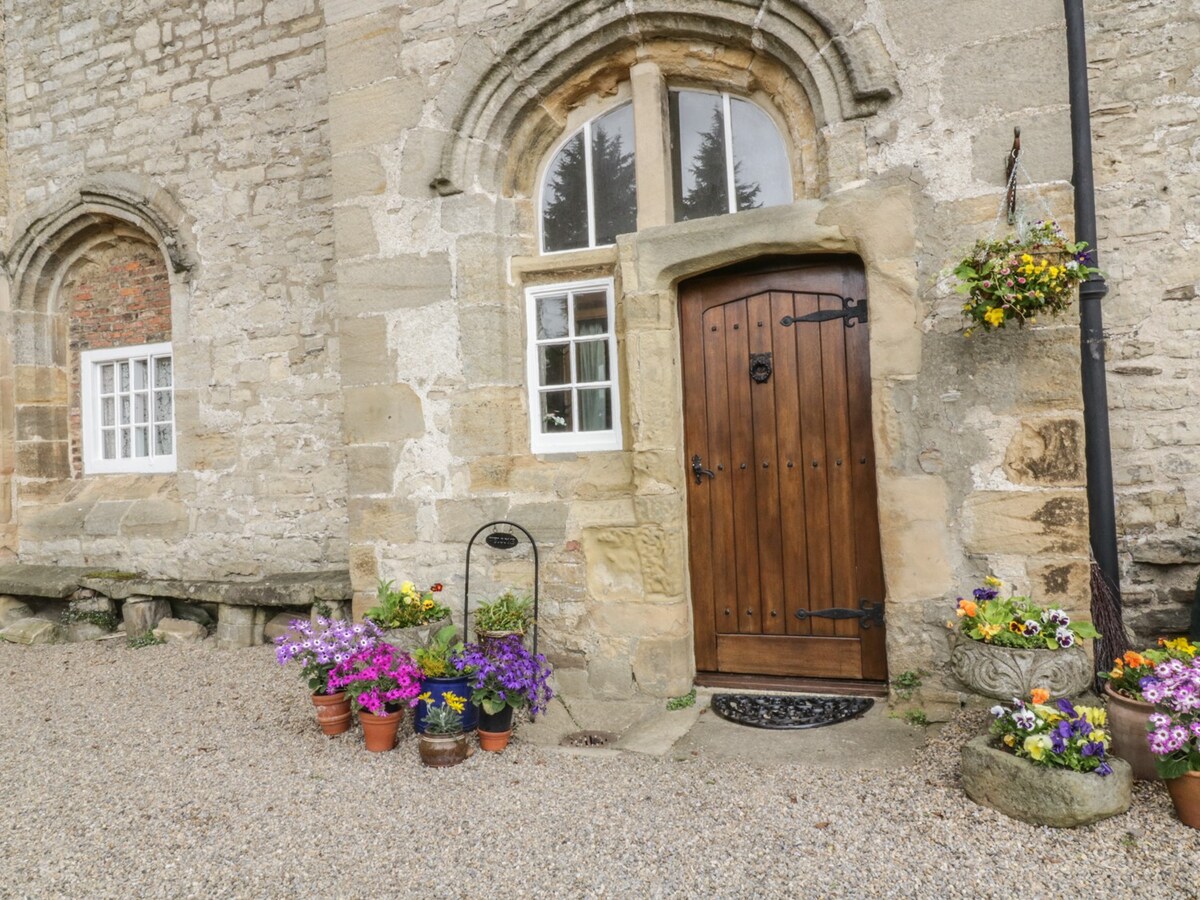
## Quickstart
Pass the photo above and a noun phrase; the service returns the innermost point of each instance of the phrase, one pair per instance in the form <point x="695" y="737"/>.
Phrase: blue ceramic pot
<point x="436" y="687"/>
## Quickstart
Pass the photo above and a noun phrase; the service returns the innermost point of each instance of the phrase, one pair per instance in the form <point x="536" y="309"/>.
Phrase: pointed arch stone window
<point x="667" y="155"/>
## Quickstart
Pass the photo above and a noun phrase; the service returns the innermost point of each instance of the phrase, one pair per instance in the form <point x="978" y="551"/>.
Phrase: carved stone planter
<point x="410" y="639"/>
<point x="1042" y="795"/>
<point x="1005" y="672"/>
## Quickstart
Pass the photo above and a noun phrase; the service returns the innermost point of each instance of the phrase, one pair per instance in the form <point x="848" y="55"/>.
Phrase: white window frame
<point x="572" y="441"/>
<point x="589" y="182"/>
<point x="89" y="366"/>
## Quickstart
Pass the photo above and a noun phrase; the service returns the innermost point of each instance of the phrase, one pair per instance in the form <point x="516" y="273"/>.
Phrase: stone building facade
<point x="341" y="199"/>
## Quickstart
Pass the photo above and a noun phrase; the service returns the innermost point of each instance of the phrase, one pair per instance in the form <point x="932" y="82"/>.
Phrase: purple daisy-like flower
<point x="1160" y="720"/>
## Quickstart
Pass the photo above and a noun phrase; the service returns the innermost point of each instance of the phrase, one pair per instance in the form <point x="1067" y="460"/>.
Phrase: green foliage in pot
<point x="508" y="612"/>
<point x="406" y="606"/>
<point x="445" y="717"/>
<point x="437" y="660"/>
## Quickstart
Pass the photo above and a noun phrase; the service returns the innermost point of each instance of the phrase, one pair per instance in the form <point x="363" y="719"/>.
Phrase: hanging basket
<point x="1018" y="278"/>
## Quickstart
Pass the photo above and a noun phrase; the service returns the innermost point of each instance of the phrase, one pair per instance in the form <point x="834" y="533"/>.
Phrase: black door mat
<point x="768" y="711"/>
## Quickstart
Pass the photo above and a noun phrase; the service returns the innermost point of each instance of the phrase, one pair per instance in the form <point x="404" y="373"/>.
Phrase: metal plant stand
<point x="502" y="537"/>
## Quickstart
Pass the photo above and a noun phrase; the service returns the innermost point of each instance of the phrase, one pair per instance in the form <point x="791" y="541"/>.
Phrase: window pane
<point x="107" y="410"/>
<point x="614" y="187"/>
<point x="564" y="199"/>
<point x="125" y="444"/>
<point x="141" y="443"/>
<point x="125" y="410"/>
<point x="141" y="408"/>
<point x="106" y="379"/>
<point x="554" y="364"/>
<point x="595" y="409"/>
<point x="163" y="440"/>
<point x="110" y="444"/>
<point x="162" y="372"/>
<point x="124" y="368"/>
<point x="760" y="164"/>
<point x="591" y="358"/>
<point x="698" y="155"/>
<point x="552" y="317"/>
<point x="140" y="372"/>
<point x="162" y="406"/>
<point x="556" y="411"/>
<point x="591" y="313"/>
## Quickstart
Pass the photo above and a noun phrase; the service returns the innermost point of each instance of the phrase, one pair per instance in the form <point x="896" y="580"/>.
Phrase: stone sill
<point x="294" y="589"/>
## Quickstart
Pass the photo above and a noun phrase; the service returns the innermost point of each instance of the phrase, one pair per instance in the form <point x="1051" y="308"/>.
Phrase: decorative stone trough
<point x="1041" y="795"/>
<point x="1003" y="673"/>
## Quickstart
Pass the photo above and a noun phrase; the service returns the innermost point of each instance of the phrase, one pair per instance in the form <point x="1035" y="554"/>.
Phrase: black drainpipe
<point x="1102" y="525"/>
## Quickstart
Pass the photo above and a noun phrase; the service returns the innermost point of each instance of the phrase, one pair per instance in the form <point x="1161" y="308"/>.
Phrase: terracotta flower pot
<point x="1127" y="724"/>
<point x="333" y="712"/>
<point x="379" y="732"/>
<point x="440" y="750"/>
<point x="1185" y="794"/>
<point x="495" y="729"/>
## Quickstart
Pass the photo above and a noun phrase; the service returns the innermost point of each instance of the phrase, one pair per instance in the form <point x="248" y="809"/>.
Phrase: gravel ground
<point x="172" y="772"/>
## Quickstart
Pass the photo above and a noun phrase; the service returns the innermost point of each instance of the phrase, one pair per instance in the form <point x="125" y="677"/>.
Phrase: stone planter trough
<point x="1003" y="673"/>
<point x="1040" y="795"/>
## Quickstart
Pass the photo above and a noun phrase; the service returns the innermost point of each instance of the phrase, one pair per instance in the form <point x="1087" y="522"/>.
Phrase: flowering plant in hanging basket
<point x="1017" y="278"/>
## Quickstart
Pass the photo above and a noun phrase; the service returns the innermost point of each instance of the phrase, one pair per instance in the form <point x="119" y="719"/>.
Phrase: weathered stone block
<point x="663" y="666"/>
<point x="32" y="631"/>
<point x="40" y="384"/>
<point x="383" y="285"/>
<point x="180" y="631"/>
<point x="388" y="517"/>
<point x="355" y="232"/>
<point x="374" y="115"/>
<point x="914" y="536"/>
<point x="237" y="627"/>
<point x="191" y="612"/>
<point x="13" y="610"/>
<point x="357" y="175"/>
<point x="382" y="414"/>
<point x="1041" y="795"/>
<point x="142" y="614"/>
<point x="41" y="423"/>
<point x="78" y="632"/>
<point x="1046" y="451"/>
<point x="155" y="517"/>
<point x="366" y="357"/>
<point x="1037" y="523"/>
<point x="43" y="459"/>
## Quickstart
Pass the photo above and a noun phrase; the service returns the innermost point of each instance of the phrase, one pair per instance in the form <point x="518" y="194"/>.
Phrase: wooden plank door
<point x="786" y="572"/>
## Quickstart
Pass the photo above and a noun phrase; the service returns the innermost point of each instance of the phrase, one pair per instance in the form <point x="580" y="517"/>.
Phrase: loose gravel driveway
<point x="192" y="772"/>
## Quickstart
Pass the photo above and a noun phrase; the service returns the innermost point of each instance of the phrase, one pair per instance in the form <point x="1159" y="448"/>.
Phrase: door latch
<point x="698" y="469"/>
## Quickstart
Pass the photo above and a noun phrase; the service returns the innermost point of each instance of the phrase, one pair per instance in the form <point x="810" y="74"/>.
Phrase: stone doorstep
<point x="294" y="589"/>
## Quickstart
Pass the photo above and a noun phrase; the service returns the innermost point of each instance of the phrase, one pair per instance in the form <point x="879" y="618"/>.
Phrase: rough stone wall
<point x="979" y="441"/>
<point x="223" y="106"/>
<point x="117" y="296"/>
<point x="1145" y="97"/>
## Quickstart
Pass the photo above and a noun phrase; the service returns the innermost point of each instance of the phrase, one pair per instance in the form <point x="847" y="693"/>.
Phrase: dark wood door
<point x="784" y="533"/>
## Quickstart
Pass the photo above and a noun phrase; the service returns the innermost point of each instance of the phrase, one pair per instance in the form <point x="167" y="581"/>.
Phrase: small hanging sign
<point x="501" y="540"/>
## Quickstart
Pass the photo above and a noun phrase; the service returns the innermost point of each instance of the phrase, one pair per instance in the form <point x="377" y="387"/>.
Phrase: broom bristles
<point x="1107" y="617"/>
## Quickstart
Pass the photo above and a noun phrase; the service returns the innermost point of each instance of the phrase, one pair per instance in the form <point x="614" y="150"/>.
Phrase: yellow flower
<point x="1054" y="271"/>
<point x="1179" y="645"/>
<point x="1009" y="740"/>
<point x="1094" y="714"/>
<point x="454" y="701"/>
<point x="1044" y="263"/>
<point x="994" y="316"/>
<point x="428" y="604"/>
<point x="989" y="631"/>
<point x="425" y="697"/>
<point x="407" y="588"/>
<point x="1026" y="258"/>
<point x="992" y="581"/>
<point x="1036" y="745"/>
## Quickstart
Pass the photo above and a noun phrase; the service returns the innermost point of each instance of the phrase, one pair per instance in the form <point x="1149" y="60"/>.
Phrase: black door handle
<point x="698" y="469"/>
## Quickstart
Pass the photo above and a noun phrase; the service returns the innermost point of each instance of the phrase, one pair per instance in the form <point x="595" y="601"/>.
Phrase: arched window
<point x="726" y="156"/>
<point x="589" y="191"/>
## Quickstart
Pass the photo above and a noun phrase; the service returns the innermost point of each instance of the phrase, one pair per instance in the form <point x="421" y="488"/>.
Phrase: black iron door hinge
<point x="867" y="613"/>
<point x="852" y="311"/>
